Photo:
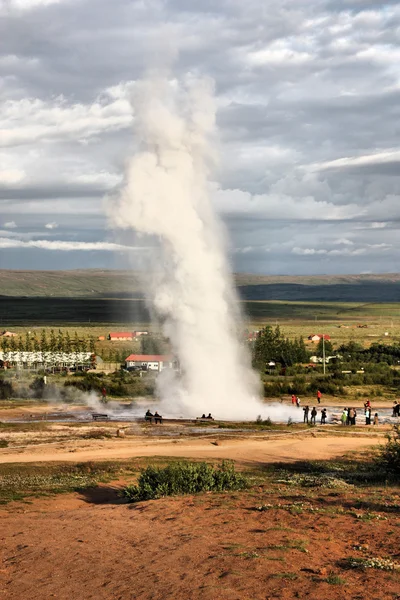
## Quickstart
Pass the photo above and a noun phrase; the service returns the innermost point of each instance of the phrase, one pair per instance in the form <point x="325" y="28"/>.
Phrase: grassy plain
<point x="342" y="321"/>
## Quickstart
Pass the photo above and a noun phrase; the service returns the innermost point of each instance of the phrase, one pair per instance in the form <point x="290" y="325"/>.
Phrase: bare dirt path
<point x="242" y="450"/>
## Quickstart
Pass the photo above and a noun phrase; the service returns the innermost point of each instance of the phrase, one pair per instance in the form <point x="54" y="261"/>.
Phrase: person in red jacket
<point x="319" y="395"/>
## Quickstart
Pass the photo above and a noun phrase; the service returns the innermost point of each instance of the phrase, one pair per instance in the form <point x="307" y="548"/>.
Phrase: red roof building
<point x="121" y="335"/>
<point x="149" y="357"/>
<point x="152" y="362"/>
<point x="315" y="337"/>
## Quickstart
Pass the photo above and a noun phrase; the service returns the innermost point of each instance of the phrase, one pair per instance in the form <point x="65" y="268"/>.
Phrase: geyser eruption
<point x="167" y="196"/>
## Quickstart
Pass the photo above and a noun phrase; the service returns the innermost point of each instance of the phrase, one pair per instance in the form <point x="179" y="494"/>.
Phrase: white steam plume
<point x="167" y="196"/>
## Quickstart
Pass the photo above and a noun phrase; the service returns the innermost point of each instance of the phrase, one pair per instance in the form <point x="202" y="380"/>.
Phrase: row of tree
<point x="272" y="345"/>
<point x="55" y="342"/>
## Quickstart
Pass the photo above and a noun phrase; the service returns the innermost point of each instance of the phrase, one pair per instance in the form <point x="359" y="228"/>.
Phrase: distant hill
<point x="97" y="283"/>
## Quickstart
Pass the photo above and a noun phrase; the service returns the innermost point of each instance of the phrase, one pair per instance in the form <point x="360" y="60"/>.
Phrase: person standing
<point x="323" y="416"/>
<point x="344" y="417"/>
<point x="319" y="396"/>
<point x="351" y="416"/>
<point x="104" y="395"/>
<point x="368" y="416"/>
<point x="306" y="411"/>
<point x="297" y="401"/>
<point x="376" y="419"/>
<point x="313" y="415"/>
<point x="293" y="399"/>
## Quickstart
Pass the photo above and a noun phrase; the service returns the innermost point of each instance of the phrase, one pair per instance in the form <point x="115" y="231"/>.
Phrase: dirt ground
<point x="270" y="541"/>
<point x="247" y="450"/>
<point x="206" y="547"/>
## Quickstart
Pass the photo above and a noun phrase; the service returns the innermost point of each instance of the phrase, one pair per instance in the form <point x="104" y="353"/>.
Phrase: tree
<point x="153" y="345"/>
<point x="76" y="343"/>
<point x="53" y="341"/>
<point x="67" y="343"/>
<point x="92" y="345"/>
<point x="20" y="344"/>
<point x="28" y="343"/>
<point x="271" y="345"/>
<point x="13" y="349"/>
<point x="36" y="344"/>
<point x="320" y="348"/>
<point x="43" y="341"/>
<point x="60" y="341"/>
<point x="4" y="344"/>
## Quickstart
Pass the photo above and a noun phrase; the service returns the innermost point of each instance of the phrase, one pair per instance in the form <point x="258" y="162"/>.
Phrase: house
<point x="252" y="336"/>
<point x="48" y="359"/>
<point x="316" y="337"/>
<point x="8" y="334"/>
<point x="125" y="336"/>
<point x="151" y="362"/>
<point x="139" y="333"/>
<point x="328" y="359"/>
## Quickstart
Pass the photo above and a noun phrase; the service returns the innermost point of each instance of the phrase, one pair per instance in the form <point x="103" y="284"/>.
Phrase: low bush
<point x="184" y="478"/>
<point x="389" y="457"/>
<point x="6" y="389"/>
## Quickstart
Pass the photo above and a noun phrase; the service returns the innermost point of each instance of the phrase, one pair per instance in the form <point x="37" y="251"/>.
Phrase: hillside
<point x="97" y="283"/>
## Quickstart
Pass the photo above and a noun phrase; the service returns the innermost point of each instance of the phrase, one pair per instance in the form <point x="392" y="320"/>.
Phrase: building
<point x="40" y="360"/>
<point x="151" y="362"/>
<point x="316" y="337"/>
<point x="124" y="336"/>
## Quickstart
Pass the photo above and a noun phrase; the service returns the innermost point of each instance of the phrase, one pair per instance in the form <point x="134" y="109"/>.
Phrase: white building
<point x="151" y="362"/>
<point x="46" y="359"/>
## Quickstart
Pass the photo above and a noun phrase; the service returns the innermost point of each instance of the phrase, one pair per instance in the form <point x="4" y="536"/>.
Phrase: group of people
<point x="203" y="416"/>
<point x="296" y="399"/>
<point x="149" y="417"/>
<point x="349" y="415"/>
<point x="311" y="417"/>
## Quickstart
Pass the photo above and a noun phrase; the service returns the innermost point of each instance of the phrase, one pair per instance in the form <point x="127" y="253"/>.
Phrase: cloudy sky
<point x="308" y="97"/>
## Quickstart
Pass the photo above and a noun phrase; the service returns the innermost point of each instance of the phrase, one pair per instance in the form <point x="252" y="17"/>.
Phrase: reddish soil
<point x="206" y="547"/>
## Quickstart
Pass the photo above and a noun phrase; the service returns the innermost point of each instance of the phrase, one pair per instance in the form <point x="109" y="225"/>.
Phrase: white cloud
<point x="342" y="252"/>
<point x="11" y="176"/>
<point x="344" y="242"/>
<point x="30" y="120"/>
<point x="25" y="5"/>
<point x="377" y="158"/>
<point x="10" y="225"/>
<point x="52" y="225"/>
<point x="65" y="246"/>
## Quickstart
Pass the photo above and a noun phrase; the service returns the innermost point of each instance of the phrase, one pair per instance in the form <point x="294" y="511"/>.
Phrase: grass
<point x="335" y="580"/>
<point x="22" y="481"/>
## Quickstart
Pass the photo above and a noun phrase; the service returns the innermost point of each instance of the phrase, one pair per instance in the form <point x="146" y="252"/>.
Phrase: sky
<point x="308" y="106"/>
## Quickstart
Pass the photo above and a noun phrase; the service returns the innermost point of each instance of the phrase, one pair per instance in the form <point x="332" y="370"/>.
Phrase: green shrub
<point x="184" y="478"/>
<point x="389" y="457"/>
<point x="6" y="389"/>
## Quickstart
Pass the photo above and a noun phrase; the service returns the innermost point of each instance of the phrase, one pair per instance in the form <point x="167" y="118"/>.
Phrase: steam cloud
<point x="167" y="196"/>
